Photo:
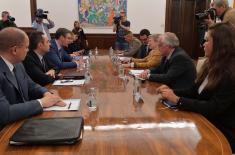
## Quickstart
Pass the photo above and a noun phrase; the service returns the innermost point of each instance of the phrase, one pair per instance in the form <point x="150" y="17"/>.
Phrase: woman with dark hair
<point x="80" y="37"/>
<point x="213" y="95"/>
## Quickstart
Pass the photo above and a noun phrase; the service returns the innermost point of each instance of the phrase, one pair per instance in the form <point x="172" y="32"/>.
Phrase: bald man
<point x="20" y="97"/>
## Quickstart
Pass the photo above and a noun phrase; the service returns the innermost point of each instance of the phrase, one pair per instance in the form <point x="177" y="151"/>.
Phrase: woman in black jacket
<point x="213" y="95"/>
<point x="80" y="36"/>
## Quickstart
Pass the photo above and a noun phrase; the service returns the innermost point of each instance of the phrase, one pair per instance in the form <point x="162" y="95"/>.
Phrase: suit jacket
<point x="60" y="58"/>
<point x="18" y="101"/>
<point x="151" y="60"/>
<point x="217" y="105"/>
<point x="178" y="72"/>
<point x="134" y="47"/>
<point x="143" y="51"/>
<point x="229" y="17"/>
<point x="45" y="26"/>
<point x="37" y="71"/>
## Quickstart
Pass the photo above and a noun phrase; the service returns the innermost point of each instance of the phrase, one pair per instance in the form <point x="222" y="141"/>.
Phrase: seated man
<point x="152" y="59"/>
<point x="134" y="45"/>
<point x="20" y="97"/>
<point x="39" y="69"/>
<point x="176" y="69"/>
<point x="57" y="55"/>
<point x="144" y="49"/>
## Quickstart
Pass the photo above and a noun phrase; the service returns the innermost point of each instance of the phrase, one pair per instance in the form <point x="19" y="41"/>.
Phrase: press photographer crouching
<point x="7" y="20"/>
<point x="121" y="25"/>
<point x="39" y="25"/>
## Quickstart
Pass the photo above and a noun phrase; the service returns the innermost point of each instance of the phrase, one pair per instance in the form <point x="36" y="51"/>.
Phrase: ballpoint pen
<point x="66" y="81"/>
<point x="69" y="105"/>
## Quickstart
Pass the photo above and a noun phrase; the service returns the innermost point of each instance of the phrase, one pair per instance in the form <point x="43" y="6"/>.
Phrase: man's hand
<point x="168" y="94"/>
<point x="50" y="100"/>
<point x="126" y="65"/>
<point x="144" y="74"/>
<point x="51" y="73"/>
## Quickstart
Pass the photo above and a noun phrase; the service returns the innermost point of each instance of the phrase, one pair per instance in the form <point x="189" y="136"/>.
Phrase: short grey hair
<point x="155" y="37"/>
<point x="170" y="39"/>
<point x="220" y="3"/>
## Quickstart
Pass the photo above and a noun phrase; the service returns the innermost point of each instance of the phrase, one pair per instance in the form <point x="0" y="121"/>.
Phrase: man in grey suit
<point x="176" y="69"/>
<point x="39" y="25"/>
<point x="20" y="97"/>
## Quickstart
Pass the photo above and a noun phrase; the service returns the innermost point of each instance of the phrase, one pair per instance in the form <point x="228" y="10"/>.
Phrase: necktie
<point x="17" y="84"/>
<point x="60" y="54"/>
<point x="166" y="61"/>
<point x="147" y="50"/>
<point x="43" y="64"/>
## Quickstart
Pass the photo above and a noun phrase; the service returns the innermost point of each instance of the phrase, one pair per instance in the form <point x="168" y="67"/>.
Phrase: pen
<point x="69" y="105"/>
<point x="65" y="81"/>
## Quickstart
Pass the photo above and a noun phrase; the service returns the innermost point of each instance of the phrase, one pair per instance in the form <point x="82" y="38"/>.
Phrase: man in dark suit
<point x="57" y="55"/>
<point x="144" y="49"/>
<point x="176" y="69"/>
<point x="20" y="97"/>
<point x="39" y="68"/>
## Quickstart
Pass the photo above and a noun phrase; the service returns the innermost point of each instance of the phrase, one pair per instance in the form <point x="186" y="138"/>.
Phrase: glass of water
<point x="121" y="71"/>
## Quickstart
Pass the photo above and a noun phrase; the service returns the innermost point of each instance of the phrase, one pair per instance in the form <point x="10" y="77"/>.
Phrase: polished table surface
<point x="120" y="126"/>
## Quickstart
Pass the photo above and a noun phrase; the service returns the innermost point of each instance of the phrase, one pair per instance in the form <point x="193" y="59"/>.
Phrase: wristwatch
<point x="179" y="103"/>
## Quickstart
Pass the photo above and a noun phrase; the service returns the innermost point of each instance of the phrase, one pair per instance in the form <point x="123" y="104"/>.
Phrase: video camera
<point x="41" y="14"/>
<point x="202" y="26"/>
<point x="11" y="19"/>
<point x="116" y="20"/>
<point x="206" y="13"/>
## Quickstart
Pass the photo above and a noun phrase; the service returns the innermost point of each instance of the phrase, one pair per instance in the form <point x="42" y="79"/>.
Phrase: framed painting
<point x="99" y="13"/>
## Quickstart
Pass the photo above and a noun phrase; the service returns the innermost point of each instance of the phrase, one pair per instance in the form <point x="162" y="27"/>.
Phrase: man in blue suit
<point x="57" y="55"/>
<point x="20" y="97"/>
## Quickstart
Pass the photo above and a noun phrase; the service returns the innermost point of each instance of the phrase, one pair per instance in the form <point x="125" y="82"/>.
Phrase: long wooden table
<point x="120" y="126"/>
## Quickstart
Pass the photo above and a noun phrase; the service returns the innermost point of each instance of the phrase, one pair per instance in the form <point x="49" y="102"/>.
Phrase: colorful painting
<point x="99" y="13"/>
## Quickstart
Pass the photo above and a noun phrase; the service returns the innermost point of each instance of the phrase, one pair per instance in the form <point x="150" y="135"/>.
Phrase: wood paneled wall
<point x="102" y="41"/>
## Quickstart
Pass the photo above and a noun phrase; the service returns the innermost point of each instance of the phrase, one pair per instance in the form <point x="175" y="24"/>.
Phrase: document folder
<point x="49" y="131"/>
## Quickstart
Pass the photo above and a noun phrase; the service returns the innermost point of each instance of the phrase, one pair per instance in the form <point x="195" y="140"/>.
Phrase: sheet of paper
<point x="71" y="104"/>
<point x="85" y="57"/>
<point x="68" y="82"/>
<point x="136" y="72"/>
<point x="125" y="59"/>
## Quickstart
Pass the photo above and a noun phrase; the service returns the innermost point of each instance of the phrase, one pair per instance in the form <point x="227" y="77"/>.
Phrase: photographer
<point x="7" y="20"/>
<point x="223" y="11"/>
<point x="121" y="25"/>
<point x="39" y="25"/>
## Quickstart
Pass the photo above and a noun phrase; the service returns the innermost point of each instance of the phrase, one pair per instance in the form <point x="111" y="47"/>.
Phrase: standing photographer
<point x="7" y="20"/>
<point x="39" y="25"/>
<point x="223" y="11"/>
<point x="121" y="25"/>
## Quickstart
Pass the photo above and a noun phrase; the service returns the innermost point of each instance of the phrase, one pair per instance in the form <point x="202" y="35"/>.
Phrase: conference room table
<point x="120" y="125"/>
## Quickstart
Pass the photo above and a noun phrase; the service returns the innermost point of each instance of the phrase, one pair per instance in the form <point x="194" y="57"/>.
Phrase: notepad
<point x="125" y="59"/>
<point x="135" y="72"/>
<point x="71" y="105"/>
<point x="68" y="82"/>
<point x="85" y="57"/>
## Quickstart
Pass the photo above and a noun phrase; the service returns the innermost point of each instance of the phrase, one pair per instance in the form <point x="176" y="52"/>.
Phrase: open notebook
<point x="68" y="82"/>
<point x="71" y="104"/>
